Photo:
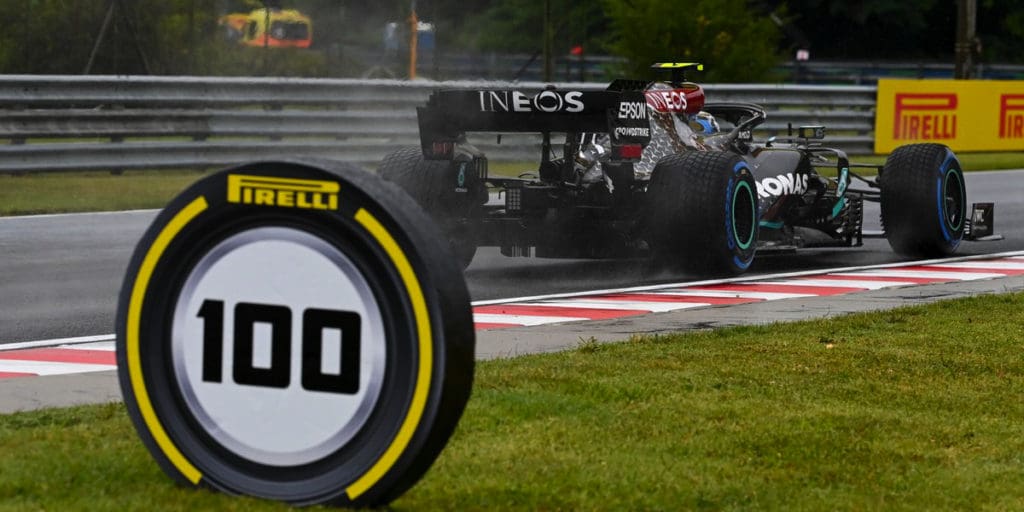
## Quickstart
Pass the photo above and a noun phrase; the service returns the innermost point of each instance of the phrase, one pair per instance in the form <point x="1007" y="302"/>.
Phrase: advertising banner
<point x="966" y="115"/>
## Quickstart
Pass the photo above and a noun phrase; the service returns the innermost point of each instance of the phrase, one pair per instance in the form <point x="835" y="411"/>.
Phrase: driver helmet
<point x="704" y="123"/>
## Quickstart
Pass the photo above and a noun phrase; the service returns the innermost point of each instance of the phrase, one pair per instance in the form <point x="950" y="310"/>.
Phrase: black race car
<point x="644" y="168"/>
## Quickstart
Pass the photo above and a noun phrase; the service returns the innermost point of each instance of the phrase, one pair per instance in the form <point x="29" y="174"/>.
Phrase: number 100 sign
<point x="294" y="331"/>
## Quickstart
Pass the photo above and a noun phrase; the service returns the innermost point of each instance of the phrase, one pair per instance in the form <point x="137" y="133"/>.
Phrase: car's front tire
<point x="924" y="200"/>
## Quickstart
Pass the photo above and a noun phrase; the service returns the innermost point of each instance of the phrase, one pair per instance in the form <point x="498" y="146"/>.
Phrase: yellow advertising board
<point x="966" y="115"/>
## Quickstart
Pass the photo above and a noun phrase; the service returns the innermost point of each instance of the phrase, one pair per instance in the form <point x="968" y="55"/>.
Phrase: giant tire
<point x="422" y="373"/>
<point x="924" y="200"/>
<point x="703" y="213"/>
<point x="432" y="184"/>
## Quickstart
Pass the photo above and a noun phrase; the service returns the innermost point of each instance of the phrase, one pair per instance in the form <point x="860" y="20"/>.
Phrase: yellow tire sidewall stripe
<point x="425" y="367"/>
<point x="132" y="338"/>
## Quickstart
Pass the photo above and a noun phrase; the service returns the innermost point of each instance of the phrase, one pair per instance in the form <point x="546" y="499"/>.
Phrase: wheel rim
<point x="953" y="200"/>
<point x="743" y="215"/>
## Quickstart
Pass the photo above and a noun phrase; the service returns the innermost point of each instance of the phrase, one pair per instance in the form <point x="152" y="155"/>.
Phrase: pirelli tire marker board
<point x="296" y="331"/>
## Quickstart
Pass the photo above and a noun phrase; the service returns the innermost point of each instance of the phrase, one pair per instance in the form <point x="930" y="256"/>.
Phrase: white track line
<point x="852" y="272"/>
<point x="52" y="215"/>
<point x="57" y="342"/>
<point x="497" y="318"/>
<point x="613" y="304"/>
<point x="51" y="368"/>
<point x="986" y="265"/>
<point x="730" y="294"/>
<point x="105" y="346"/>
<point x="926" y="274"/>
<point x="838" y="283"/>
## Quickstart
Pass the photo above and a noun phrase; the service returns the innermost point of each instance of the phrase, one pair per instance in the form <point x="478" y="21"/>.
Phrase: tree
<point x="881" y="30"/>
<point x="736" y="44"/>
<point x="48" y="36"/>
<point x="57" y="36"/>
<point x="517" y="26"/>
<point x="1001" y="30"/>
<point x="177" y="37"/>
<point x="877" y="29"/>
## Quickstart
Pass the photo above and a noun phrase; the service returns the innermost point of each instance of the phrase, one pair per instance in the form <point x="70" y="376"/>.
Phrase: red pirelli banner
<point x="966" y="115"/>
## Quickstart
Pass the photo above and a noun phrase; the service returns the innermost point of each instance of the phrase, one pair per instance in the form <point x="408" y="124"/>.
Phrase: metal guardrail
<point x="64" y="123"/>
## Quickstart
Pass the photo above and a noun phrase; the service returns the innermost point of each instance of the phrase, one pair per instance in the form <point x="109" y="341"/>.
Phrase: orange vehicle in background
<point x="275" y="28"/>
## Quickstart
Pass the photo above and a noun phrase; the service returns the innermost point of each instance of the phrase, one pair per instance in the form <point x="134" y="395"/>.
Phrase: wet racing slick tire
<point x="434" y="185"/>
<point x="924" y="200"/>
<point x="703" y="213"/>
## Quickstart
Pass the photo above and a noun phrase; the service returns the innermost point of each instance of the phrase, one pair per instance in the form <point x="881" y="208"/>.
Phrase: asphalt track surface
<point x="60" y="274"/>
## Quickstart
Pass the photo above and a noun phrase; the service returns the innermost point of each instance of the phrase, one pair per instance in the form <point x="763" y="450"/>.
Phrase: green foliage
<point x="48" y="36"/>
<point x="235" y="60"/>
<point x="883" y="29"/>
<point x="518" y="26"/>
<point x="58" y="36"/>
<point x="737" y="39"/>
<point x="876" y="29"/>
<point x="736" y="43"/>
<point x="169" y="37"/>
<point x="908" y="12"/>
<point x="1001" y="30"/>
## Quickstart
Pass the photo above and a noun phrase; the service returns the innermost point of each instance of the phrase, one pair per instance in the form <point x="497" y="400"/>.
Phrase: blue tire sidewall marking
<point x="730" y="236"/>
<point x="940" y="194"/>
<point x="740" y="263"/>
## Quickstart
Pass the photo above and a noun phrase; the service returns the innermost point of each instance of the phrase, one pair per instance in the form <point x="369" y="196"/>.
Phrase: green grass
<point x="911" y="409"/>
<point x="90" y="191"/>
<point x="101" y="191"/>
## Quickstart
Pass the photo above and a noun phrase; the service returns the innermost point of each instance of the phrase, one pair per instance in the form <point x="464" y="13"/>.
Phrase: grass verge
<point x="912" y="409"/>
<point x="100" y="191"/>
<point x="91" y="191"/>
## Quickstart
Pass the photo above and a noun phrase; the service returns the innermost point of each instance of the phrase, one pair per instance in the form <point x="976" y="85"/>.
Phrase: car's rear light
<point x="441" y="150"/>
<point x="628" y="152"/>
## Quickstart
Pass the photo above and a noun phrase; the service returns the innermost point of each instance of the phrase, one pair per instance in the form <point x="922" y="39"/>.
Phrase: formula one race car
<point x="645" y="169"/>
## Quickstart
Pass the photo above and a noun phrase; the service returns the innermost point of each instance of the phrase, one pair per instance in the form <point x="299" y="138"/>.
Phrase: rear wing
<point x="450" y="114"/>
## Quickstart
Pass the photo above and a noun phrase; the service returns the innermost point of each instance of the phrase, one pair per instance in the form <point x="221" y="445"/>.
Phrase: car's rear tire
<point x="432" y="184"/>
<point x="703" y="214"/>
<point x="924" y="200"/>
